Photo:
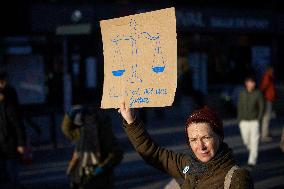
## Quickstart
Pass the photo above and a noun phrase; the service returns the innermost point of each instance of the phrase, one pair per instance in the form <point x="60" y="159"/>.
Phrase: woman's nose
<point x="201" y="145"/>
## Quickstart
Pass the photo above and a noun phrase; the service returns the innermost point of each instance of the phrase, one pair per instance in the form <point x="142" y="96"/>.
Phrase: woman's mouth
<point x="204" y="154"/>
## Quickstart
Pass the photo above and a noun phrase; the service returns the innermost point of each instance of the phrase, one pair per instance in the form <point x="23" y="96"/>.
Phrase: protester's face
<point x="2" y="84"/>
<point x="203" y="141"/>
<point x="250" y="84"/>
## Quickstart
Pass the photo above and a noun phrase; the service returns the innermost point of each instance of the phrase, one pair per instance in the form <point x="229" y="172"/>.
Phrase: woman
<point x="210" y="160"/>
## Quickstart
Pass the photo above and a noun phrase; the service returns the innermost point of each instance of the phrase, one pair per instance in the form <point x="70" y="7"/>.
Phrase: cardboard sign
<point x="140" y="59"/>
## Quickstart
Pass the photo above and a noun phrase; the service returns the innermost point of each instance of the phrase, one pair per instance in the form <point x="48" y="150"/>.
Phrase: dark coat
<point x="174" y="163"/>
<point x="11" y="96"/>
<point x="110" y="152"/>
<point x="250" y="105"/>
<point x="12" y="133"/>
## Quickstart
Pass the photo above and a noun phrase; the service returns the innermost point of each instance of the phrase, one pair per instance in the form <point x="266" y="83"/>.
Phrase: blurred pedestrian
<point x="250" y="111"/>
<point x="267" y="87"/>
<point x="97" y="151"/>
<point x="12" y="142"/>
<point x="210" y="163"/>
<point x="11" y="95"/>
<point x="7" y="90"/>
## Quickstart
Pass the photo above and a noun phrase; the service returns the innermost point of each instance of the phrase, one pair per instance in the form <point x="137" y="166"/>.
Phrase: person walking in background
<point x="250" y="110"/>
<point x="12" y="142"/>
<point x="11" y="95"/>
<point x="8" y="91"/>
<point x="267" y="87"/>
<point x="210" y="162"/>
<point x="97" y="151"/>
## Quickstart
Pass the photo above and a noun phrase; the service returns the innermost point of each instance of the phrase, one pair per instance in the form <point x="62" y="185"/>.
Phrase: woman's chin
<point x="204" y="158"/>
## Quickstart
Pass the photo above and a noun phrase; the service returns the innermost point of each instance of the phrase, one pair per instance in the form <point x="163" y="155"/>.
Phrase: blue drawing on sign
<point x="158" y="91"/>
<point x="158" y="59"/>
<point x="139" y="100"/>
<point x="158" y="69"/>
<point x="134" y="43"/>
<point x="117" y="69"/>
<point x="161" y="91"/>
<point x="148" y="36"/>
<point x="134" y="76"/>
<point x="118" y="73"/>
<point x="149" y="91"/>
<point x="136" y="97"/>
<point x="113" y="93"/>
<point x="126" y="38"/>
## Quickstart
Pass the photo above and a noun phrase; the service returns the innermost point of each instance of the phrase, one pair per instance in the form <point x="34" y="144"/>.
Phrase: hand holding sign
<point x="127" y="113"/>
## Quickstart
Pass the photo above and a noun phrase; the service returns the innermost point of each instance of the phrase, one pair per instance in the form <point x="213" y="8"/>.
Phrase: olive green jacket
<point x="250" y="105"/>
<point x="175" y="163"/>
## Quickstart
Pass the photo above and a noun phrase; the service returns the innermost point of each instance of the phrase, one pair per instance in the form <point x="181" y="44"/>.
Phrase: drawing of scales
<point x="140" y="59"/>
<point x="133" y="44"/>
<point x="158" y="60"/>
<point x="118" y="61"/>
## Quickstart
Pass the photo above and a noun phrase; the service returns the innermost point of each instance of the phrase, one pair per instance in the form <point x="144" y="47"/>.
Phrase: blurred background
<point x="52" y="52"/>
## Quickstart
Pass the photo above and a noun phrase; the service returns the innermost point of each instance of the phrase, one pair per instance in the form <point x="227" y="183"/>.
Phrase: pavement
<point x="49" y="165"/>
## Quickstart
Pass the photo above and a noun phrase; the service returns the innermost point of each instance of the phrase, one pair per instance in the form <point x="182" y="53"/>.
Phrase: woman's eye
<point x="207" y="138"/>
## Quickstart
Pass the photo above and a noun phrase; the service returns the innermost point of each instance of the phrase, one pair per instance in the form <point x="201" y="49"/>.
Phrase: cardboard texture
<point x="140" y="59"/>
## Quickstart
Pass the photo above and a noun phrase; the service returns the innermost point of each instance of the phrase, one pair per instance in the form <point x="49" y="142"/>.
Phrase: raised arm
<point x="160" y="158"/>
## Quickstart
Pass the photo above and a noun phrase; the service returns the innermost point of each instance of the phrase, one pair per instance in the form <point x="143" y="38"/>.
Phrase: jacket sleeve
<point x="110" y="144"/>
<point x="72" y="133"/>
<point x="160" y="158"/>
<point x="14" y="121"/>
<point x="241" y="179"/>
